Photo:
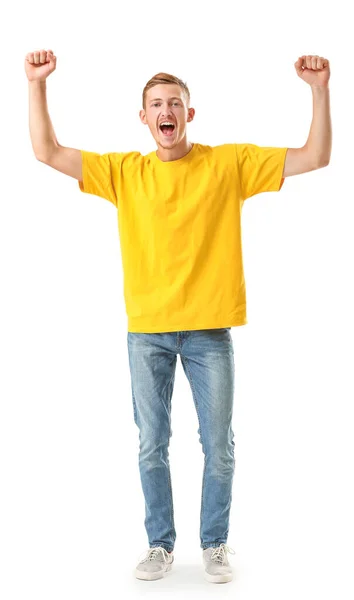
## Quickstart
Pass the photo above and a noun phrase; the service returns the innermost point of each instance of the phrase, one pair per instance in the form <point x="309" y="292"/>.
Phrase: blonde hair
<point x="165" y="78"/>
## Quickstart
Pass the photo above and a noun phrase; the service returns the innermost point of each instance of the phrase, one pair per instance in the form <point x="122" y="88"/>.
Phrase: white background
<point x="71" y="504"/>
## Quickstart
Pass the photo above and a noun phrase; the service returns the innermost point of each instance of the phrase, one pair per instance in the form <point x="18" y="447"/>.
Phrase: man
<point x="179" y="219"/>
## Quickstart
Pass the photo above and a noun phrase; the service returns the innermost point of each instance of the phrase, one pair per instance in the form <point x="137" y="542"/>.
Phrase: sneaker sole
<point x="151" y="576"/>
<point x="218" y="578"/>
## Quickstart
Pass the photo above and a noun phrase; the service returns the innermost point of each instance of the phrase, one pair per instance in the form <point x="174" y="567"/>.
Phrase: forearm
<point x="43" y="137"/>
<point x="319" y="142"/>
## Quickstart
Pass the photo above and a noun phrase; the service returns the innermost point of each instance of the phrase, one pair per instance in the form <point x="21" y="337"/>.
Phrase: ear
<point x="191" y="113"/>
<point x="142" y="116"/>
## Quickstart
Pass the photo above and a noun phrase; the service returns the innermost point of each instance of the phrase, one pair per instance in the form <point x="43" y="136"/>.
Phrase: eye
<point x="156" y="103"/>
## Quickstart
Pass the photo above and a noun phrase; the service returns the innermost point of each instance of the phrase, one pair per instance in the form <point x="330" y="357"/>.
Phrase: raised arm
<point x="316" y="153"/>
<point x="38" y="65"/>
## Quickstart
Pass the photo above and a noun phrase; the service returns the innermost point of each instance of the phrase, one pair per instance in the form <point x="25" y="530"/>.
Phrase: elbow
<point x="43" y="158"/>
<point x="322" y="163"/>
<point x="325" y="163"/>
<point x="43" y="154"/>
<point x="40" y="158"/>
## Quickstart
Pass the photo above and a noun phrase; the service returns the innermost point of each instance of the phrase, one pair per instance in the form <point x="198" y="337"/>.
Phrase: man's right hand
<point x="40" y="64"/>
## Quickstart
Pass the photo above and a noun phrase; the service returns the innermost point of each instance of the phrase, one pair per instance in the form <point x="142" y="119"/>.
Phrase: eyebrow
<point x="173" y="98"/>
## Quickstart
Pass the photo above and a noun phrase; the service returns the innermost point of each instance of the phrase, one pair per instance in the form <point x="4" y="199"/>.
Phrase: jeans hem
<point x="167" y="548"/>
<point x="211" y="545"/>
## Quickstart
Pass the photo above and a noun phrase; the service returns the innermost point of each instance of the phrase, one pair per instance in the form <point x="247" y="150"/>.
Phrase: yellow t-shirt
<point x="179" y="224"/>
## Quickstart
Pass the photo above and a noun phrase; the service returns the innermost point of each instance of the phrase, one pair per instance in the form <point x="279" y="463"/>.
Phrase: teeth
<point x="166" y="123"/>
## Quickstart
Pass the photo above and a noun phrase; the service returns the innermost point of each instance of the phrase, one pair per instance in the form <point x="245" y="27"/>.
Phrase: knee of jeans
<point x="221" y="457"/>
<point x="221" y="467"/>
<point x="220" y="443"/>
<point x="153" y="448"/>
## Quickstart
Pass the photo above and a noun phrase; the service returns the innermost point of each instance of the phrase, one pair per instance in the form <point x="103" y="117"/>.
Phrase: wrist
<point x="320" y="88"/>
<point x="39" y="82"/>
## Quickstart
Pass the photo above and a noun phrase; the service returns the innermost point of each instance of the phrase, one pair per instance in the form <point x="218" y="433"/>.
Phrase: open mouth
<point x="167" y="130"/>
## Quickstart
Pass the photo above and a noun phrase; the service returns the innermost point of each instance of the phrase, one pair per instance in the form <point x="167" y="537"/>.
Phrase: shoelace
<point x="152" y="554"/>
<point x="219" y="553"/>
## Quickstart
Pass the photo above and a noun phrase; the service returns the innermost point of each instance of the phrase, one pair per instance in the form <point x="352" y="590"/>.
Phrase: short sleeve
<point x="260" y="168"/>
<point x="98" y="175"/>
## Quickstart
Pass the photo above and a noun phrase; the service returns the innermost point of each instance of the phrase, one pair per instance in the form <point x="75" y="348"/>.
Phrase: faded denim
<point x="207" y="358"/>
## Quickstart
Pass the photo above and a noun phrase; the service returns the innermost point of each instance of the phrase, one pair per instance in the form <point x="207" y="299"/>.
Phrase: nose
<point x="166" y="112"/>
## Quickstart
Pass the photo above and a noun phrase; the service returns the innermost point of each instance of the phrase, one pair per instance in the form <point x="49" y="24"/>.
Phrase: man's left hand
<point x="313" y="69"/>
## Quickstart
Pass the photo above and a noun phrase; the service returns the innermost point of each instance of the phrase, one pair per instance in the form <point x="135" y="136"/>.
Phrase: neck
<point x="167" y="154"/>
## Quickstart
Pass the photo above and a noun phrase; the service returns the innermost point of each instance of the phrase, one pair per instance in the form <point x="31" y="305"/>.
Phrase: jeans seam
<point x="169" y="469"/>
<point x="201" y="436"/>
<point x="134" y="407"/>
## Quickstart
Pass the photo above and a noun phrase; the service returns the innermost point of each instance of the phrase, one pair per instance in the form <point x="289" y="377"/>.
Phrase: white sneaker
<point x="155" y="564"/>
<point x="216" y="565"/>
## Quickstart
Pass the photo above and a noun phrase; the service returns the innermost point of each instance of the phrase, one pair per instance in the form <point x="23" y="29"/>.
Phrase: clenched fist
<point x="38" y="65"/>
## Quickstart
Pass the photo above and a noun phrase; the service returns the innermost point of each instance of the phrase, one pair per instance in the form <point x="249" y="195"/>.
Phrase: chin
<point x="167" y="144"/>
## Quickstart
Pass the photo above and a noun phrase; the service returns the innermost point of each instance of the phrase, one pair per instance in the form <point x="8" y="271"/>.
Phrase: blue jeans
<point x="207" y="358"/>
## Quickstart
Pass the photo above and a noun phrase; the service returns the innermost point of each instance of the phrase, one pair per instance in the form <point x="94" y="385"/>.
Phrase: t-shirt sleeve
<point x="99" y="174"/>
<point x="260" y="168"/>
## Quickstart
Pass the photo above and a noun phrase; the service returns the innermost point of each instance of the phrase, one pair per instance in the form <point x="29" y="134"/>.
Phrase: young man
<point x="179" y="220"/>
